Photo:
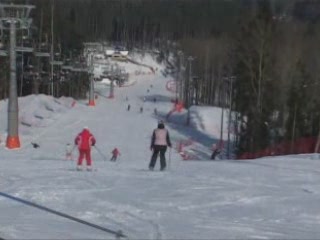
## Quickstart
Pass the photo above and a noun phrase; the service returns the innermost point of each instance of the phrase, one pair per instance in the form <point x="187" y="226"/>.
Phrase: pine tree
<point x="254" y="85"/>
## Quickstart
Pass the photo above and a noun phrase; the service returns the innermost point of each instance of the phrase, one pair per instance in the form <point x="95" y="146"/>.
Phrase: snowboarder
<point x="84" y="141"/>
<point x="69" y="150"/>
<point x="128" y="108"/>
<point x="115" y="153"/>
<point x="159" y="142"/>
<point x="215" y="151"/>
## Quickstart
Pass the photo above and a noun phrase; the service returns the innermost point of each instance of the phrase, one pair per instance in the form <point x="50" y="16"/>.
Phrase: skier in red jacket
<point x="115" y="153"/>
<point x="84" y="141"/>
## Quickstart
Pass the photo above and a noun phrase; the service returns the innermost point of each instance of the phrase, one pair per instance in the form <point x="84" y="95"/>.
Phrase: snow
<point x="267" y="198"/>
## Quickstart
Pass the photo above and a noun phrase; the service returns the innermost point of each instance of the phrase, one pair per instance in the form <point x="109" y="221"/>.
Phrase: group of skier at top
<point x="141" y="107"/>
<point x="85" y="140"/>
<point x="144" y="100"/>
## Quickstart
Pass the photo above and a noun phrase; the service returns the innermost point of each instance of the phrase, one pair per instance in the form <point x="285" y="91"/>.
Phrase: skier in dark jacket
<point x="159" y="142"/>
<point x="215" y="151"/>
<point x="115" y="153"/>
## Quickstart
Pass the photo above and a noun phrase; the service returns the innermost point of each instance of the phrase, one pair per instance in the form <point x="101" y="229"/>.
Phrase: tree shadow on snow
<point x="178" y="123"/>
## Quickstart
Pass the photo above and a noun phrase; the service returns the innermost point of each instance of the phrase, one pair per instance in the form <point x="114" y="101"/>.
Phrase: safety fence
<point x="299" y="146"/>
<point x="182" y="148"/>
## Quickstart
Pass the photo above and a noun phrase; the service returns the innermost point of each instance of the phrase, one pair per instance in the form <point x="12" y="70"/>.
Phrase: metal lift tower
<point x="13" y="17"/>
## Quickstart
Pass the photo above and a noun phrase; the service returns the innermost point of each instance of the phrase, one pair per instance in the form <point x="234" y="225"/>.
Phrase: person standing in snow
<point x="159" y="142"/>
<point x="115" y="153"/>
<point x="84" y="141"/>
<point x="128" y="108"/>
<point x="215" y="151"/>
<point x="69" y="150"/>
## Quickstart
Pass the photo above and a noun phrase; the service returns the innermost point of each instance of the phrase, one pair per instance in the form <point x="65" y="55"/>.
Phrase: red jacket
<point x="115" y="152"/>
<point x="85" y="140"/>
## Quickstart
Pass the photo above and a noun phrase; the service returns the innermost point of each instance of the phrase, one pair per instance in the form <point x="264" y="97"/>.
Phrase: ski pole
<point x="169" y="159"/>
<point x="74" y="146"/>
<point x="104" y="157"/>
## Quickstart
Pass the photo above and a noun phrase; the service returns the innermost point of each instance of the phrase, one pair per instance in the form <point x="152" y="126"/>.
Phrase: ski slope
<point x="268" y="198"/>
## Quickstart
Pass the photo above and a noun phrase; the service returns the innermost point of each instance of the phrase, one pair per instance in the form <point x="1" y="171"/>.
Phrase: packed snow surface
<point x="267" y="198"/>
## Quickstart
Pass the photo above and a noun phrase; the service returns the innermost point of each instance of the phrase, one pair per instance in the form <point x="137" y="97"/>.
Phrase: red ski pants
<point x="86" y="154"/>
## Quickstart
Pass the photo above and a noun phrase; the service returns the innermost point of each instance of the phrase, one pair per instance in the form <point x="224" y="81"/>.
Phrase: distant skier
<point x="215" y="151"/>
<point x="159" y="142"/>
<point x="115" y="153"/>
<point x="128" y="108"/>
<point x="141" y="109"/>
<point x="69" y="150"/>
<point x="84" y="141"/>
<point x="35" y="145"/>
<point x="154" y="100"/>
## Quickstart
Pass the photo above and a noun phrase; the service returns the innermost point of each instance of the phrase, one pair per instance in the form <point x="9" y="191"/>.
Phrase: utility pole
<point x="22" y="70"/>
<point x="91" y="91"/>
<point x="230" y="81"/>
<point x="14" y="17"/>
<point x="52" y="52"/>
<point x="195" y="89"/>
<point x="222" y="99"/>
<point x="111" y="94"/>
<point x="181" y="80"/>
<point x="113" y="75"/>
<point x="187" y="91"/>
<point x="177" y="73"/>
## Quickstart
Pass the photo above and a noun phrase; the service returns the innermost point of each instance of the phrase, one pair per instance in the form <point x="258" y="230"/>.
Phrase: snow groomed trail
<point x="265" y="198"/>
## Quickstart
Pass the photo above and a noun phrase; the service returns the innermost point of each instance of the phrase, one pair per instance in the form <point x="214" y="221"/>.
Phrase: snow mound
<point x="41" y="110"/>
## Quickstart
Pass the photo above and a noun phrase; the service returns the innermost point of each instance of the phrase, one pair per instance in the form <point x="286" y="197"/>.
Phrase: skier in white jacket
<point x="159" y="142"/>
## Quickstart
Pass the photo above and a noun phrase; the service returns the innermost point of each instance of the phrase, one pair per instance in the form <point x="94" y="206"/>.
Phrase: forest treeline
<point x="268" y="50"/>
